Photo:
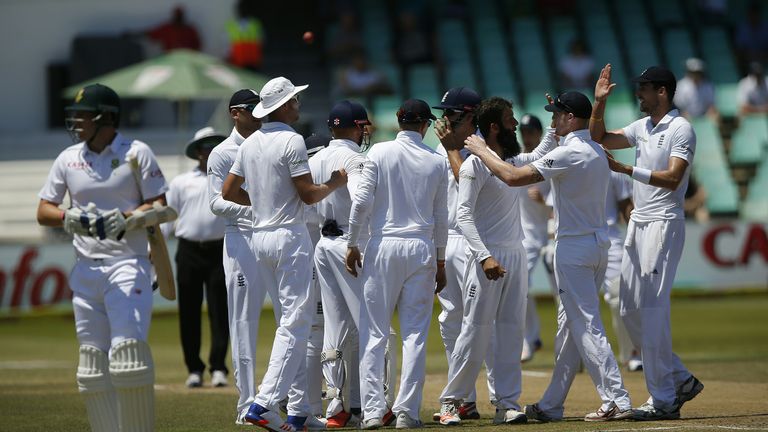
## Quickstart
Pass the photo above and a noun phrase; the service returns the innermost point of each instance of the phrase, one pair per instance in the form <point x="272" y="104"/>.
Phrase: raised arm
<point x="612" y="140"/>
<point x="506" y="172"/>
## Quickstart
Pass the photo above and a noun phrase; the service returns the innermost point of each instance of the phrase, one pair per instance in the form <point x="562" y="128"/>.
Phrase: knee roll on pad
<point x="96" y="389"/>
<point x="133" y="375"/>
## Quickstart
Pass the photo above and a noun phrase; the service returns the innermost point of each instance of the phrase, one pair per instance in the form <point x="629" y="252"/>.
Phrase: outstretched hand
<point x="604" y="86"/>
<point x="475" y="144"/>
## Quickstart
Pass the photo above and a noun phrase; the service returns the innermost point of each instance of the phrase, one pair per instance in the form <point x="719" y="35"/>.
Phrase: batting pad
<point x="96" y="389"/>
<point x="133" y="375"/>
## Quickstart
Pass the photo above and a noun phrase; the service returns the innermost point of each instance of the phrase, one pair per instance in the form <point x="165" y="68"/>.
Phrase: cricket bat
<point x="157" y="247"/>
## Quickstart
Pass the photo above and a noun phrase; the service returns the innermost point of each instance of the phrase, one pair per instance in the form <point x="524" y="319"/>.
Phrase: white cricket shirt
<point x="268" y="160"/>
<point x="752" y="91"/>
<point x="578" y="170"/>
<point x="106" y="180"/>
<point x="188" y="194"/>
<point x="340" y="153"/>
<point x="672" y="137"/>
<point x="404" y="188"/>
<point x="453" y="190"/>
<point x="694" y="98"/>
<point x="220" y="161"/>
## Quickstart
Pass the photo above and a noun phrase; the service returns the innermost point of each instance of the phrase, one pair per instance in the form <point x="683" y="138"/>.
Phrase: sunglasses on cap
<point x="247" y="107"/>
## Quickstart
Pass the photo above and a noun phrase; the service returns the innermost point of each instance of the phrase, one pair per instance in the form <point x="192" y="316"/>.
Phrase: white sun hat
<point x="274" y="94"/>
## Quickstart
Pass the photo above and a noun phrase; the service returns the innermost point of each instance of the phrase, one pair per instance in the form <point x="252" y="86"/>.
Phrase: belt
<point x="203" y="244"/>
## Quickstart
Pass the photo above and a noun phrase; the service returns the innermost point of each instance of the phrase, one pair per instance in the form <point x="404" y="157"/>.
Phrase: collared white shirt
<point x="106" y="180"/>
<point x="488" y="209"/>
<point x="220" y="161"/>
<point x="268" y="160"/>
<point x="188" y="194"/>
<point x="752" y="91"/>
<point x="695" y="99"/>
<point x="579" y="172"/>
<point x="453" y="190"/>
<point x="404" y="188"/>
<point x="340" y="153"/>
<point x="672" y="137"/>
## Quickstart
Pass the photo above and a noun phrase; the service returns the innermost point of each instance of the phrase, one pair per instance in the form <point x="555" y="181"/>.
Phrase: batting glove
<point x="114" y="224"/>
<point x="78" y="221"/>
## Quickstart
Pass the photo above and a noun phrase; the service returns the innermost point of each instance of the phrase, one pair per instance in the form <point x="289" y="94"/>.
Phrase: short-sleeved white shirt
<point x="220" y="161"/>
<point x="579" y="172"/>
<point x="188" y="194"/>
<point x="340" y="153"/>
<point x="488" y="209"/>
<point x="268" y="160"/>
<point x="752" y="92"/>
<point x="453" y="190"/>
<point x="106" y="180"/>
<point x="672" y="137"/>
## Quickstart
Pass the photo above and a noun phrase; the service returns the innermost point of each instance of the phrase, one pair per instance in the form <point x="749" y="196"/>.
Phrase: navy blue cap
<point x="244" y="97"/>
<point x="315" y="143"/>
<point x="573" y="102"/>
<point x="459" y="99"/>
<point x="414" y="111"/>
<point x="347" y="114"/>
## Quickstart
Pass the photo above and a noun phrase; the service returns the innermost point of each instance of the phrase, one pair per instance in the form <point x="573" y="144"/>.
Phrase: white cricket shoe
<point x="635" y="364"/>
<point x="194" y="380"/>
<point x="509" y="416"/>
<point x="404" y="421"/>
<point x="610" y="415"/>
<point x="372" y="423"/>
<point x="219" y="379"/>
<point x="449" y="414"/>
<point x="314" y="423"/>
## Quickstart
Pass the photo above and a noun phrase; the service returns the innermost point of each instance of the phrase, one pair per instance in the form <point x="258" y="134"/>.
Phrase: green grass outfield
<point x="723" y="340"/>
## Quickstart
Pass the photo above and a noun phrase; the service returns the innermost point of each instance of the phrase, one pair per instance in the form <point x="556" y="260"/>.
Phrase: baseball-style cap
<point x="315" y="143"/>
<point x="414" y="111"/>
<point x="459" y="99"/>
<point x="573" y="102"/>
<point x="347" y="114"/>
<point x="205" y="138"/>
<point x="530" y="121"/>
<point x="274" y="94"/>
<point x="244" y="97"/>
<point x="95" y="97"/>
<point x="656" y="74"/>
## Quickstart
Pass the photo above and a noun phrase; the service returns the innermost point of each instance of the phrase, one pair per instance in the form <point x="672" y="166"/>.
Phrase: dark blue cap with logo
<point x="414" y="111"/>
<point x="573" y="102"/>
<point x="347" y="114"/>
<point x="459" y="99"/>
<point x="530" y="121"/>
<point x="244" y="97"/>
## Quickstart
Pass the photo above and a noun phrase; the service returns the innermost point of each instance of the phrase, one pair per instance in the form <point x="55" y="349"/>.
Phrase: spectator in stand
<point x="753" y="91"/>
<point x="358" y="79"/>
<point x="347" y="40"/>
<point x="176" y="33"/>
<point x="577" y="68"/>
<point x="751" y="38"/>
<point x="695" y="96"/>
<point x="414" y="39"/>
<point x="246" y="37"/>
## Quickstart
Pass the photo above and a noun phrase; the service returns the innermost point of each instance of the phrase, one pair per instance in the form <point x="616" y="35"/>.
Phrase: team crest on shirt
<point x="115" y="163"/>
<point x="472" y="291"/>
<point x="661" y="141"/>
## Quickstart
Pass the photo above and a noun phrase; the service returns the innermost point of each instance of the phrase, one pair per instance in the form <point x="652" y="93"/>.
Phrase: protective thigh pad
<point x="133" y="375"/>
<point x="156" y="215"/>
<point x="96" y="389"/>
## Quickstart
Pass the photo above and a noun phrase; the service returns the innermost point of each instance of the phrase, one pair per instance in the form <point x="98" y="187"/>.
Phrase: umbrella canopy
<point x="179" y="75"/>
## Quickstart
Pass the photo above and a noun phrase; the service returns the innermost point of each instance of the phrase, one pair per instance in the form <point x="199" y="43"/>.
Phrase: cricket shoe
<point x="338" y="420"/>
<point x="648" y="412"/>
<point x="388" y="418"/>
<point x="194" y="380"/>
<point x="468" y="411"/>
<point x="240" y="419"/>
<point x="313" y="423"/>
<point x="635" y="364"/>
<point x="404" y="421"/>
<point x="372" y="423"/>
<point x="689" y="390"/>
<point x="509" y="416"/>
<point x="612" y="414"/>
<point x="449" y="414"/>
<point x="533" y="412"/>
<point x="219" y="379"/>
<point x="270" y="420"/>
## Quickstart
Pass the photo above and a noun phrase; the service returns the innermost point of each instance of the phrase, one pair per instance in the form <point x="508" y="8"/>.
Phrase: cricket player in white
<point x="618" y="203"/>
<point x="340" y="291"/>
<point x="578" y="169"/>
<point x="496" y="280"/>
<point x="245" y="296"/>
<point x="111" y="284"/>
<point x="273" y="162"/>
<point x="665" y="144"/>
<point x="457" y="123"/>
<point x="404" y="190"/>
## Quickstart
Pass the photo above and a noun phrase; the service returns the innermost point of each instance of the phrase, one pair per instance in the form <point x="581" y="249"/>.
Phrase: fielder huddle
<point x="396" y="226"/>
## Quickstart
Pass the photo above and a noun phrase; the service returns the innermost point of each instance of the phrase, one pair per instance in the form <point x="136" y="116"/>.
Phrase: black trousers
<point x="198" y="264"/>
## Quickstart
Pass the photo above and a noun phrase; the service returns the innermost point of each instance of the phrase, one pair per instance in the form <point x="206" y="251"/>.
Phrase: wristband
<point x="642" y="175"/>
<point x="595" y="119"/>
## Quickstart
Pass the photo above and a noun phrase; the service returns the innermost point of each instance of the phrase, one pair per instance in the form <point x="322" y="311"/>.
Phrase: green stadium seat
<point x="530" y="54"/>
<point x="717" y="52"/>
<point x="678" y="47"/>
<point x="726" y="99"/>
<point x="748" y="143"/>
